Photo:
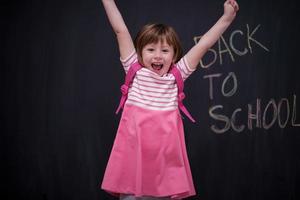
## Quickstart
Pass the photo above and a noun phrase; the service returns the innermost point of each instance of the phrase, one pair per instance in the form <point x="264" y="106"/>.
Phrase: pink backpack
<point x="130" y="76"/>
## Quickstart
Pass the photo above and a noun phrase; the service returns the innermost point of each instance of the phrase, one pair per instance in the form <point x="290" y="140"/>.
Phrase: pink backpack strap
<point x="128" y="79"/>
<point x="181" y="95"/>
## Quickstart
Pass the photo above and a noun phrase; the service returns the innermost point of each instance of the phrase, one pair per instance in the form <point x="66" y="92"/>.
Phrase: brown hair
<point x="153" y="33"/>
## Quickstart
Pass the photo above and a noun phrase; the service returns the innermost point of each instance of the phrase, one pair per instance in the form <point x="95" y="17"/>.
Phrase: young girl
<point x="149" y="158"/>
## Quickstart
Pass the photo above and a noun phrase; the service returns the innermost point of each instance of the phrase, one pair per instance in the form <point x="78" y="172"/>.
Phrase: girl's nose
<point x="157" y="55"/>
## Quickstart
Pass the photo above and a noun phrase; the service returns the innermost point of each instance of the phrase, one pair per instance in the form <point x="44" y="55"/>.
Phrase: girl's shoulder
<point x="127" y="62"/>
<point x="184" y="68"/>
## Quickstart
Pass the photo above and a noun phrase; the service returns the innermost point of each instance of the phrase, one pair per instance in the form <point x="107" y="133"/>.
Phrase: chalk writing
<point x="283" y="125"/>
<point x="231" y="75"/>
<point x="211" y="85"/>
<point x="272" y="110"/>
<point x="231" y="48"/>
<point x="262" y="115"/>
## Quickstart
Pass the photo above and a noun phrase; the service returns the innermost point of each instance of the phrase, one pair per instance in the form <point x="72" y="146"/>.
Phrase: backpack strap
<point x="128" y="79"/>
<point x="181" y="95"/>
<point x="180" y="85"/>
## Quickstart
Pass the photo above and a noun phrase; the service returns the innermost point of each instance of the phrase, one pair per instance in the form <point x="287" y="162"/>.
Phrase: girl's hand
<point x="230" y="9"/>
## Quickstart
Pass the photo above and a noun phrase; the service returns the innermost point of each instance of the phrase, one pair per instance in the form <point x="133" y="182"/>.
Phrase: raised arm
<point x="211" y="37"/>
<point x="115" y="18"/>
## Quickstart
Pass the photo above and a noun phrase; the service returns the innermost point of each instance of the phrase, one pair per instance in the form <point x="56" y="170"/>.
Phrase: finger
<point x="236" y="7"/>
<point x="231" y="2"/>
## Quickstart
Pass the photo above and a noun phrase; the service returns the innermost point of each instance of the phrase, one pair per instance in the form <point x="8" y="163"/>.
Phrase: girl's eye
<point x="165" y="50"/>
<point x="150" y="49"/>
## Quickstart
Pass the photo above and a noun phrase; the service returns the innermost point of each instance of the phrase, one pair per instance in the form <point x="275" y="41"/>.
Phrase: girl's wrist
<point x="228" y="17"/>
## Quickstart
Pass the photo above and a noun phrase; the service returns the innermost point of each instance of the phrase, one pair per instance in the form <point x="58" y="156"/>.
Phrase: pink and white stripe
<point x="151" y="91"/>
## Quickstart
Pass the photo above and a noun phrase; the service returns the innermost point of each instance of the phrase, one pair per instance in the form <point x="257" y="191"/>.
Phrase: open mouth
<point x="157" y="66"/>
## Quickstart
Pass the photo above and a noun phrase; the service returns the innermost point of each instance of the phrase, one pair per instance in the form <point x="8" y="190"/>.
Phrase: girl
<point x="149" y="159"/>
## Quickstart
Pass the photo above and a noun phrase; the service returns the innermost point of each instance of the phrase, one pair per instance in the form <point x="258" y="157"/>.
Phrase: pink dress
<point x="149" y="155"/>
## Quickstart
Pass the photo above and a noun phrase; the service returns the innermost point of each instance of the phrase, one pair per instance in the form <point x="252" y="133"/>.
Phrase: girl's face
<point x="158" y="57"/>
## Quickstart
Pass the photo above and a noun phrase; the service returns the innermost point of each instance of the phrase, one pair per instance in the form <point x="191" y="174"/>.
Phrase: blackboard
<point x="60" y="79"/>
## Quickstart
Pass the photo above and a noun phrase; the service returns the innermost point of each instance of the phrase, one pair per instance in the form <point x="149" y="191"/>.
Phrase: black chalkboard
<point x="60" y="79"/>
